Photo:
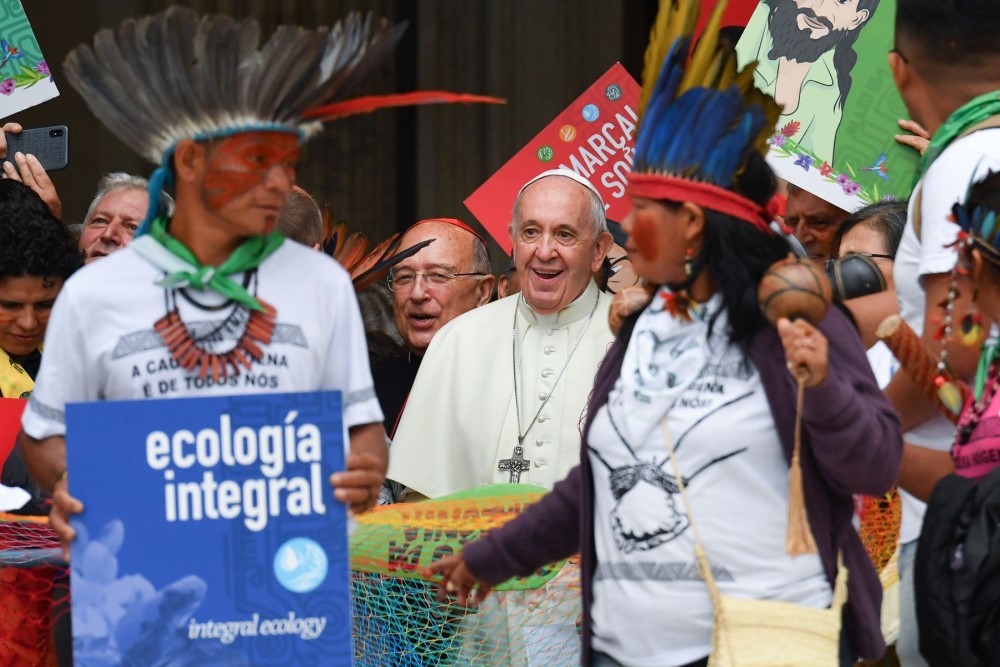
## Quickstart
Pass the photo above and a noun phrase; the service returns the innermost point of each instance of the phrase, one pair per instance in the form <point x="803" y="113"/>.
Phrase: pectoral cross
<point x="516" y="464"/>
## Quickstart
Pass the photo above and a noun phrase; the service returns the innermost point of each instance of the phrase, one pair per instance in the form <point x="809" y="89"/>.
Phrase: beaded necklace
<point x="192" y="351"/>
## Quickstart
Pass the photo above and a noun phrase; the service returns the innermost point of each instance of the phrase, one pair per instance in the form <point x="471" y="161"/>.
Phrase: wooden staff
<point x="918" y="362"/>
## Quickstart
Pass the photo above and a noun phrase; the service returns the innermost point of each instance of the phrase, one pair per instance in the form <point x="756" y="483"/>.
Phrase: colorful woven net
<point x="879" y="518"/>
<point x="29" y="576"/>
<point x="399" y="621"/>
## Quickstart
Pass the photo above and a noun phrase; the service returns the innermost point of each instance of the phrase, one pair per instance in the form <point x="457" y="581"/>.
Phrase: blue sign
<point x="210" y="535"/>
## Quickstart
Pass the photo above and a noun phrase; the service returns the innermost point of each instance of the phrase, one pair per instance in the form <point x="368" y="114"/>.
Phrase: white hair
<point x="119" y="180"/>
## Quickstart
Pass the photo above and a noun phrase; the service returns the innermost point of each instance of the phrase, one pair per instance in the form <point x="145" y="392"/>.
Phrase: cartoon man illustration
<point x="805" y="53"/>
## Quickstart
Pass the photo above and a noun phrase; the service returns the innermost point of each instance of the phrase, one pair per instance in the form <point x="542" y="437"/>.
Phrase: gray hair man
<point x="501" y="390"/>
<point x="115" y="213"/>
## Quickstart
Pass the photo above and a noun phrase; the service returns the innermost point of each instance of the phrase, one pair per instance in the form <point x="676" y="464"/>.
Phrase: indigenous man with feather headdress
<point x="214" y="302"/>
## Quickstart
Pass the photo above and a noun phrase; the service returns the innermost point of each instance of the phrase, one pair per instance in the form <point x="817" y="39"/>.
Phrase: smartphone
<point x="49" y="144"/>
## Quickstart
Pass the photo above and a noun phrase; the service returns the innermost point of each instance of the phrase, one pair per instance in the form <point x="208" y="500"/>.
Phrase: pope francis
<point x="502" y="389"/>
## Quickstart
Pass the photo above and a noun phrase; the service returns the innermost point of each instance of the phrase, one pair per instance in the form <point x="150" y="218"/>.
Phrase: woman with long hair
<point x="696" y="403"/>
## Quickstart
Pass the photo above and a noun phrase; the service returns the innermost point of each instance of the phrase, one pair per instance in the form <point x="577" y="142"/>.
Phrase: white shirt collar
<point x="579" y="309"/>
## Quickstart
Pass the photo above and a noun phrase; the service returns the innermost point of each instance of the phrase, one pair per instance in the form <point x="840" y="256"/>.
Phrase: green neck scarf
<point x="986" y="360"/>
<point x="249" y="255"/>
<point x="971" y="113"/>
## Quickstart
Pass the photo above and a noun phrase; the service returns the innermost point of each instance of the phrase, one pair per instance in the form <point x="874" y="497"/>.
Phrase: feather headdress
<point x="700" y="118"/>
<point x="350" y="249"/>
<point x="175" y="75"/>
<point x="979" y="224"/>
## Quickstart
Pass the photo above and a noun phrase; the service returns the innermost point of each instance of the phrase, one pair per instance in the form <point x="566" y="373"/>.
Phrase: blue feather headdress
<point x="700" y="119"/>
<point x="979" y="224"/>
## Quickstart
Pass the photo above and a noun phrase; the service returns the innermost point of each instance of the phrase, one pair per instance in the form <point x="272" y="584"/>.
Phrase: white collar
<point x="578" y="310"/>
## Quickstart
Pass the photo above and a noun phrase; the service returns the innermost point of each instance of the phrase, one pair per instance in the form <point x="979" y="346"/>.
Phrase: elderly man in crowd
<point x="443" y="280"/>
<point x="814" y="222"/>
<point x="115" y="213"/>
<point x="500" y="392"/>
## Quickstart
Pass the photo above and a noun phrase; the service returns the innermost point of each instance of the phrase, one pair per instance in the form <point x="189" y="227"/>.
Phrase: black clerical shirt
<point x="393" y="380"/>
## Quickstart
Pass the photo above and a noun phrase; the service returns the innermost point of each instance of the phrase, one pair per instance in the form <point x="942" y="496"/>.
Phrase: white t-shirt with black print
<point x="651" y="607"/>
<point x="101" y="345"/>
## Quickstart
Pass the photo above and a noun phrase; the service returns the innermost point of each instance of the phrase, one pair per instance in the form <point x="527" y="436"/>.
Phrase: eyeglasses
<point x="869" y="255"/>
<point x="899" y="53"/>
<point x="405" y="280"/>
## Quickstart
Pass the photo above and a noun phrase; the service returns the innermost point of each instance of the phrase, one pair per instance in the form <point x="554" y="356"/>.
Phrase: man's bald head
<point x="428" y="291"/>
<point x="447" y="232"/>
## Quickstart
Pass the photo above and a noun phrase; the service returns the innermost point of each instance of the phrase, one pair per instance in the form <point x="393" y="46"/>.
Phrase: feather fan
<point x="350" y="249"/>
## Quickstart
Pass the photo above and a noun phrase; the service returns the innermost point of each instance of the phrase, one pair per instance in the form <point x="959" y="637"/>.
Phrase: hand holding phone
<point x="49" y="144"/>
<point x="6" y="130"/>
<point x="28" y="170"/>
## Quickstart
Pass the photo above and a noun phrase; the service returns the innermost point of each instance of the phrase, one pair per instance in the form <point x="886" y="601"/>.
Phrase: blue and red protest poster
<point x="594" y="136"/>
<point x="209" y="535"/>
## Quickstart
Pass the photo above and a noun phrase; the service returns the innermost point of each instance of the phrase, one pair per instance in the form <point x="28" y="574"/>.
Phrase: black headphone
<point x="854" y="274"/>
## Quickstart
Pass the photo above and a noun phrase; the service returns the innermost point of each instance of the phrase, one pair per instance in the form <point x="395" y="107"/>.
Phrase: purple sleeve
<point x="546" y="532"/>
<point x="854" y="431"/>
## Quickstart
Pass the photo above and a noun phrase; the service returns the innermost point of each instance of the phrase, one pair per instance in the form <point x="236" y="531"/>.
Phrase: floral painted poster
<point x="25" y="79"/>
<point x="826" y="64"/>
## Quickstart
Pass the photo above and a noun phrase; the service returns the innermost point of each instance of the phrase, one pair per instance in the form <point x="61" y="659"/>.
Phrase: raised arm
<point x="853" y="430"/>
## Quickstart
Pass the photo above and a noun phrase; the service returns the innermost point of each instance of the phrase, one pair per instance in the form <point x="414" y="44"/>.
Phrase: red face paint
<point x="645" y="236"/>
<point x="238" y="164"/>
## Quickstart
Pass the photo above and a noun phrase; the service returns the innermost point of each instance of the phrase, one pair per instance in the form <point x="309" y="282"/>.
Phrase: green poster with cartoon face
<point x="824" y="62"/>
<point x="25" y="79"/>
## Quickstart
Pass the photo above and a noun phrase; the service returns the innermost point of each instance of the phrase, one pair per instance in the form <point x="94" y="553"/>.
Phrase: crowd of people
<point x="627" y="369"/>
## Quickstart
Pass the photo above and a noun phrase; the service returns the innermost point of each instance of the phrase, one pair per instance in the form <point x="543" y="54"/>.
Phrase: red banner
<point x="594" y="136"/>
<point x="737" y="12"/>
<point x="10" y="424"/>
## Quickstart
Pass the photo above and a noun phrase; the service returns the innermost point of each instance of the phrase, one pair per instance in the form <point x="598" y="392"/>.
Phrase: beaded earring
<point x="949" y="392"/>
<point x="971" y="332"/>
<point x="679" y="304"/>
<point x="689" y="262"/>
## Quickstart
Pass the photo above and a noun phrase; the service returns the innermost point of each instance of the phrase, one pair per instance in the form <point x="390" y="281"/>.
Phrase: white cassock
<point x="459" y="422"/>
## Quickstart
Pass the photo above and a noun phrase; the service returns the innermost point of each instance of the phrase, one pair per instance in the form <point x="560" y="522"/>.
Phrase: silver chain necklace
<point x="517" y="399"/>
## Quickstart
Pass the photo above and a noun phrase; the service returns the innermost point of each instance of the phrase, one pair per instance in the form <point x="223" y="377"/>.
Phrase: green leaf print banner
<point x="826" y="64"/>
<point x="25" y="78"/>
